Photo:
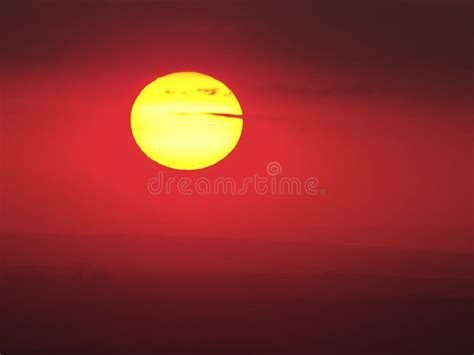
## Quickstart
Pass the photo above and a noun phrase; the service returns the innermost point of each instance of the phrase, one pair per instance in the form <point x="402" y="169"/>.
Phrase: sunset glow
<point x="140" y="216"/>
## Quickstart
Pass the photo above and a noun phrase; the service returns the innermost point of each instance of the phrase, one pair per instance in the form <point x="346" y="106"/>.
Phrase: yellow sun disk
<point x="188" y="143"/>
<point x="180" y="121"/>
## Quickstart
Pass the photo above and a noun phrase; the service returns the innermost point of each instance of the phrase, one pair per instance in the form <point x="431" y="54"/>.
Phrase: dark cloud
<point x="209" y="91"/>
<point x="349" y="90"/>
<point x="419" y="44"/>
<point x="203" y="91"/>
<point x="461" y="89"/>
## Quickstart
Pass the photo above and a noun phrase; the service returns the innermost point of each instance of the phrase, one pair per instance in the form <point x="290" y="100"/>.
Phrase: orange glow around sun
<point x="186" y="121"/>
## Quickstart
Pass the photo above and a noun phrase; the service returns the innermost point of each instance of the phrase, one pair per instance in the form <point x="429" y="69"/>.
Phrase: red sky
<point x="382" y="118"/>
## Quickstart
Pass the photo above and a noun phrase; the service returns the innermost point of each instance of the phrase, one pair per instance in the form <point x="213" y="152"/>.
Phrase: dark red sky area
<point x="371" y="98"/>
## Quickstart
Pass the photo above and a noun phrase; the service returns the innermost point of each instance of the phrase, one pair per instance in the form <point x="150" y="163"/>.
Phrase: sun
<point x="186" y="120"/>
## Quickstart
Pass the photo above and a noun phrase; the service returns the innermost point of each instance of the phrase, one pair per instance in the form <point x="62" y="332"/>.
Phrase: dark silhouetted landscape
<point x="159" y="297"/>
